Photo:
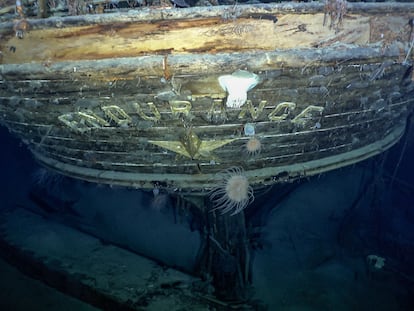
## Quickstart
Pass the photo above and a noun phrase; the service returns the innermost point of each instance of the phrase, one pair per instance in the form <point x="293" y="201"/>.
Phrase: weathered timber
<point x="171" y="98"/>
<point x="134" y="98"/>
<point x="192" y="30"/>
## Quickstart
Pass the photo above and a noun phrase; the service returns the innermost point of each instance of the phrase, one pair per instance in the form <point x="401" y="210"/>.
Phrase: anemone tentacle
<point x="232" y="193"/>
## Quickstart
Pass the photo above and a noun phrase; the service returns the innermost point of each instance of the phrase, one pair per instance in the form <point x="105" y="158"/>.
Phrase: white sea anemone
<point x="48" y="180"/>
<point x="233" y="193"/>
<point x="237" y="85"/>
<point x="253" y="146"/>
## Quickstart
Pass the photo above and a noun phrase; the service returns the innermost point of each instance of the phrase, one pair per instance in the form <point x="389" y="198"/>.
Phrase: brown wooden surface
<point x="120" y="96"/>
<point x="171" y="31"/>
<point x="352" y="118"/>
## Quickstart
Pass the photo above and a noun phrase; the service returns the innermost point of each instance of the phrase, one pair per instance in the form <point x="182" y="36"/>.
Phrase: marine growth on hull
<point x="205" y="105"/>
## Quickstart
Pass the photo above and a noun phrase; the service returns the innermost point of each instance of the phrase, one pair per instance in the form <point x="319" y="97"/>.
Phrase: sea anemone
<point x="233" y="193"/>
<point x="47" y="180"/>
<point x="253" y="146"/>
<point x="237" y="85"/>
<point x="160" y="200"/>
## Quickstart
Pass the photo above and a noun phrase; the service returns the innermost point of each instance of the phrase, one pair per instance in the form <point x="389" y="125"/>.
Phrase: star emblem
<point x="191" y="146"/>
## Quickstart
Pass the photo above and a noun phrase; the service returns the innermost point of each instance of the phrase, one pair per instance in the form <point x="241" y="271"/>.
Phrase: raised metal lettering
<point x="180" y="107"/>
<point x="254" y="111"/>
<point x="307" y="114"/>
<point x="281" y="111"/>
<point x="217" y="112"/>
<point x="156" y="116"/>
<point x="82" y="122"/>
<point x="117" y="115"/>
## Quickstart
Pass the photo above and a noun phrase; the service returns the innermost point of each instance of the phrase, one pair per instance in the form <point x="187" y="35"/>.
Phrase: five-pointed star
<point x="191" y="146"/>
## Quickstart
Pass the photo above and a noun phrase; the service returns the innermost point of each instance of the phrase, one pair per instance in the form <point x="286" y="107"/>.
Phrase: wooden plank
<point x="98" y="37"/>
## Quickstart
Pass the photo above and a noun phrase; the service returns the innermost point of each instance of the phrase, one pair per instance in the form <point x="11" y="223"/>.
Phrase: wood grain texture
<point x="135" y="99"/>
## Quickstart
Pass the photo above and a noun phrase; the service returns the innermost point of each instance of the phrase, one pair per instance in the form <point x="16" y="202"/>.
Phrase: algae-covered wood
<point x="158" y="97"/>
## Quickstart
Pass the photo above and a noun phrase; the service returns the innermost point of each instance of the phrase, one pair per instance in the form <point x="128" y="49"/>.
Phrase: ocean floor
<point x="19" y="292"/>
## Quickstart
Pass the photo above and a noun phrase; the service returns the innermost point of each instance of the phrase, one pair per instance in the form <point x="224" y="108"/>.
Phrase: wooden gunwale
<point x="151" y="14"/>
<point x="109" y="27"/>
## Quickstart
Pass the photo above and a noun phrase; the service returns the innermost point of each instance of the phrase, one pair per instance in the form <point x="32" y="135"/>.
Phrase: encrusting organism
<point x="233" y="193"/>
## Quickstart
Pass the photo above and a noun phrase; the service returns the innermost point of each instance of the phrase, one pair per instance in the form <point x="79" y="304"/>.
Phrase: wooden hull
<point x="136" y="99"/>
